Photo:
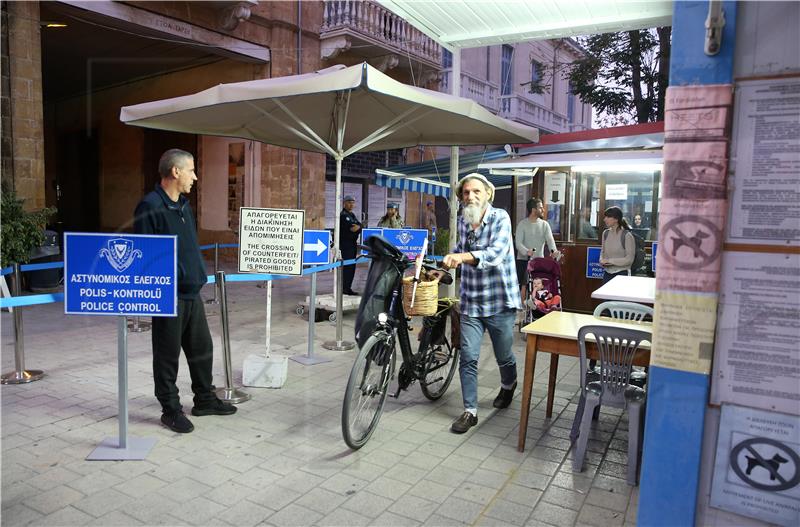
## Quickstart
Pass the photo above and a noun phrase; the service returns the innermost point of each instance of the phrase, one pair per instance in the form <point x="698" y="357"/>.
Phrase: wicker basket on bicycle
<point x="426" y="300"/>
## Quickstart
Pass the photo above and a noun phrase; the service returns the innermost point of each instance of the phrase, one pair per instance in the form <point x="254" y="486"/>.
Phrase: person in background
<point x="349" y="229"/>
<point x="532" y="234"/>
<point x="166" y="211"/>
<point x="616" y="257"/>
<point x="637" y="222"/>
<point x="391" y="220"/>
<point x="489" y="293"/>
<point x="587" y="232"/>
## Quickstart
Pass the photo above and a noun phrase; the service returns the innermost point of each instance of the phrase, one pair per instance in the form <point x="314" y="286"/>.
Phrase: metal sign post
<point x="309" y="359"/>
<point x="20" y="375"/>
<point x="338" y="344"/>
<point x="121" y="275"/>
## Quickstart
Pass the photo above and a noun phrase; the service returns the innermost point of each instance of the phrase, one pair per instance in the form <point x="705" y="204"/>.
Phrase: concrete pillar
<point x="25" y="104"/>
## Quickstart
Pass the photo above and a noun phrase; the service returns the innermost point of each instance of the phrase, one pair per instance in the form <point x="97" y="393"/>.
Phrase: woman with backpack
<point x="619" y="245"/>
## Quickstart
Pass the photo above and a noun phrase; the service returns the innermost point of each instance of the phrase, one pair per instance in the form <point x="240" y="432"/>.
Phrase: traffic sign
<point x="120" y="274"/>
<point x="653" y="260"/>
<point x="409" y="241"/>
<point x="593" y="267"/>
<point x="271" y="240"/>
<point x="367" y="233"/>
<point x="316" y="247"/>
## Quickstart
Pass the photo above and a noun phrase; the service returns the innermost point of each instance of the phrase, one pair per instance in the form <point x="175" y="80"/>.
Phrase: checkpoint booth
<point x="577" y="176"/>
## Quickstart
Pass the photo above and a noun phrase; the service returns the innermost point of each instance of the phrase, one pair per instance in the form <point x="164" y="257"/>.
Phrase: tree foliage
<point x="22" y="231"/>
<point x="624" y="76"/>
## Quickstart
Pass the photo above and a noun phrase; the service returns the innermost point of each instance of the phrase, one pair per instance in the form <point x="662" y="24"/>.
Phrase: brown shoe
<point x="464" y="423"/>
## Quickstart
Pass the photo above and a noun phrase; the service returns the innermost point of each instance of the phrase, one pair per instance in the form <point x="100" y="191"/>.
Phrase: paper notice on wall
<point x="757" y="465"/>
<point x="690" y="245"/>
<point x="683" y="331"/>
<point x="765" y="201"/>
<point x="617" y="192"/>
<point x="757" y="358"/>
<point x="555" y="187"/>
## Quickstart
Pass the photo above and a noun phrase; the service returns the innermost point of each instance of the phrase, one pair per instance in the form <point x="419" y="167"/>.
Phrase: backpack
<point x="638" y="256"/>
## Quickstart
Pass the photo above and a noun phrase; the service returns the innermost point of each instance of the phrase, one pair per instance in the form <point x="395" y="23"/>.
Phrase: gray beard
<point x="473" y="213"/>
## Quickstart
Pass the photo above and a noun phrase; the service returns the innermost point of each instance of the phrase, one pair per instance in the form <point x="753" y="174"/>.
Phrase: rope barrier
<point x="31" y="300"/>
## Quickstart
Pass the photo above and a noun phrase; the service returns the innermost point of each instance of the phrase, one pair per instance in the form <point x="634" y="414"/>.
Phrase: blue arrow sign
<point x="316" y="247"/>
<point x="593" y="267"/>
<point x="120" y="274"/>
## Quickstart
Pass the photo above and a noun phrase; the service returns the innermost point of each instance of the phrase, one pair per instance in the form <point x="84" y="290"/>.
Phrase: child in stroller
<point x="544" y="287"/>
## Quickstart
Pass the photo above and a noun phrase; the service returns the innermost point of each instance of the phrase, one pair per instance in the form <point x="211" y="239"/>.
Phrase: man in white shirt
<point x="531" y="235"/>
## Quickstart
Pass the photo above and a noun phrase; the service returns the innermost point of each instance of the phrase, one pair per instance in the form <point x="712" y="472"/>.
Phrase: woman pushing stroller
<point x="530" y="238"/>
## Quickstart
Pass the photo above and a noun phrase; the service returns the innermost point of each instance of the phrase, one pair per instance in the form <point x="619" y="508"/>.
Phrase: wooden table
<point x="557" y="333"/>
<point x="640" y="289"/>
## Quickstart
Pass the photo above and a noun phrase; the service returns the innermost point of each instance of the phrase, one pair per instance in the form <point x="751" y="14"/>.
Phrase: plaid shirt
<point x="491" y="286"/>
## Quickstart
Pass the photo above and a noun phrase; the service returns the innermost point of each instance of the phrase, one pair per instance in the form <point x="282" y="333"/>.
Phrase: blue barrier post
<point x="20" y="375"/>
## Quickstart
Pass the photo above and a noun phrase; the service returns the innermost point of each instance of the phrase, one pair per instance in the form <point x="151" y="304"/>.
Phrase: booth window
<point x="634" y="190"/>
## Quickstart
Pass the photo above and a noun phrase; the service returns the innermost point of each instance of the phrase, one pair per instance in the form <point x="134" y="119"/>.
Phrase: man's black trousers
<point x="348" y="271"/>
<point x="189" y="330"/>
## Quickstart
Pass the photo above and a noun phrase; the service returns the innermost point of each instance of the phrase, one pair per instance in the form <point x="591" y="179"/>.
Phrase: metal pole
<point x="228" y="393"/>
<point x="269" y="319"/>
<point x="338" y="344"/>
<point x="309" y="358"/>
<point x="122" y="378"/>
<point x="20" y="375"/>
<point x="215" y="300"/>
<point x="456" y="86"/>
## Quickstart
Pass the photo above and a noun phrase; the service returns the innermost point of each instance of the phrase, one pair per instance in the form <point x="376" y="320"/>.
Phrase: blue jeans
<point x="501" y="330"/>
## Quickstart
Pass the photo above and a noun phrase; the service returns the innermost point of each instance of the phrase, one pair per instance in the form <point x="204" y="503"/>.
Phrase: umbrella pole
<point x="338" y="344"/>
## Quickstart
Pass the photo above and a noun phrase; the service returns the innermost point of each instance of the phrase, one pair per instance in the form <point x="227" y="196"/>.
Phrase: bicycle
<point x="380" y="323"/>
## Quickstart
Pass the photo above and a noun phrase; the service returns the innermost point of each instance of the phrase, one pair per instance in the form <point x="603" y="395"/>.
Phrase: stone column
<point x="25" y="103"/>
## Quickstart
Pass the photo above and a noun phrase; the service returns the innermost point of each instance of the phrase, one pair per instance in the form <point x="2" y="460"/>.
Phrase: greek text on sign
<point x="271" y="241"/>
<point x="113" y="274"/>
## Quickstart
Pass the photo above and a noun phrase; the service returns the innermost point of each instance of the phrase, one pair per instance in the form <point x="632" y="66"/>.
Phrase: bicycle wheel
<point x="439" y="360"/>
<point x="367" y="388"/>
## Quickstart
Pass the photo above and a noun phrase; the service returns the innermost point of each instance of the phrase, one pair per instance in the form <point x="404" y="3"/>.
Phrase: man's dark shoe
<point x="504" y="398"/>
<point x="464" y="423"/>
<point x="217" y="407"/>
<point x="177" y="422"/>
<point x="351" y="293"/>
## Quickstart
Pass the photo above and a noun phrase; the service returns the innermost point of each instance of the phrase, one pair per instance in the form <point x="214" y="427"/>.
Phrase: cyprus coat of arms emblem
<point x="120" y="253"/>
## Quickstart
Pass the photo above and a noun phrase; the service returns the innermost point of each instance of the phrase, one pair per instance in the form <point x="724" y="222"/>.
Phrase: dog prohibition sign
<point x="692" y="242"/>
<point x="782" y="468"/>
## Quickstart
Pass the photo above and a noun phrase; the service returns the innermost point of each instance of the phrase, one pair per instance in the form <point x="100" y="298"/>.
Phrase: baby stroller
<point x="547" y="298"/>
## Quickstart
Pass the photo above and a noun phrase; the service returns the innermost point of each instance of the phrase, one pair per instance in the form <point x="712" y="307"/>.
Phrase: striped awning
<point x="433" y="177"/>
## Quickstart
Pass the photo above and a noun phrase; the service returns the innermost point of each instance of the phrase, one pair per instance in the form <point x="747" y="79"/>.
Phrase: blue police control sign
<point x="316" y="247"/>
<point x="409" y="241"/>
<point x="593" y="267"/>
<point x="120" y="274"/>
<point x="653" y="261"/>
<point x="366" y="233"/>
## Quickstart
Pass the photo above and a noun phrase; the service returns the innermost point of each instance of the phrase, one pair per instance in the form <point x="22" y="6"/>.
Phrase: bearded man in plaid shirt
<point x="489" y="293"/>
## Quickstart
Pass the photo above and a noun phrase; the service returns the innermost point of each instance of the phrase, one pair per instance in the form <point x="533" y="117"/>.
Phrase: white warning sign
<point x="757" y="468"/>
<point x="271" y="241"/>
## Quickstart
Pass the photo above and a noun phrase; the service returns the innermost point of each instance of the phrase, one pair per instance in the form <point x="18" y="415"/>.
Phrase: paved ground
<point x="281" y="459"/>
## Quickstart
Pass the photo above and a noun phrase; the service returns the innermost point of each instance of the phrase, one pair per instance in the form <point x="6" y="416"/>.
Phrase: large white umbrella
<point x="338" y="111"/>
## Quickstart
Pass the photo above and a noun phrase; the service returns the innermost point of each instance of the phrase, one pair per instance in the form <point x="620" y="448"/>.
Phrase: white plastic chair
<point x="624" y="310"/>
<point x="617" y="347"/>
